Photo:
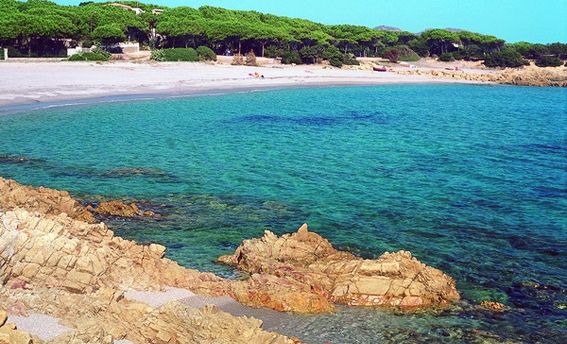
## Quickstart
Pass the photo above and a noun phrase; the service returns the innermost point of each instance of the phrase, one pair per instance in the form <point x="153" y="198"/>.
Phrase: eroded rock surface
<point x="53" y="263"/>
<point x="58" y="251"/>
<point x="305" y="258"/>
<point x="119" y="208"/>
<point x="525" y="76"/>
<point x="43" y="200"/>
<point x="53" y="202"/>
<point x="105" y="316"/>
<point x="493" y="306"/>
<point x="78" y="272"/>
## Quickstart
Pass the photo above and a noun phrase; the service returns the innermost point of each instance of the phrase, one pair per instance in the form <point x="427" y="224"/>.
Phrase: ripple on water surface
<point x="471" y="179"/>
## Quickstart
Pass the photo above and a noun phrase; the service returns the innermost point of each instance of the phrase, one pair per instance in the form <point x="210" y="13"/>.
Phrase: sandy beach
<point x="46" y="82"/>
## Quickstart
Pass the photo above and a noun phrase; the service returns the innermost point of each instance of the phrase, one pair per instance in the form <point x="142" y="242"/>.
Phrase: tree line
<point x="43" y="28"/>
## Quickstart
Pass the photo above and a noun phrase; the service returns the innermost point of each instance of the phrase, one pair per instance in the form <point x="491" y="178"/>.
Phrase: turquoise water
<point x="471" y="179"/>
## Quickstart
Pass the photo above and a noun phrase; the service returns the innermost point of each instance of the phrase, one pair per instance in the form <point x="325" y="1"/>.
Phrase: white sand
<point x="269" y="318"/>
<point x="157" y="299"/>
<point x="38" y="82"/>
<point x="45" y="327"/>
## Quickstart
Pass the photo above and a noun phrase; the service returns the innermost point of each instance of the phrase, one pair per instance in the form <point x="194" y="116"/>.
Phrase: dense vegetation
<point x="42" y="28"/>
<point x="97" y="55"/>
<point x="176" y="54"/>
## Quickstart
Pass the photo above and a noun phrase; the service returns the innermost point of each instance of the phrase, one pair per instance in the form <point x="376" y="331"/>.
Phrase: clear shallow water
<point x="471" y="179"/>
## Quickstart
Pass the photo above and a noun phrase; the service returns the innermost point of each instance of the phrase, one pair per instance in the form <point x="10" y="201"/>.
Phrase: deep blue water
<point x="471" y="179"/>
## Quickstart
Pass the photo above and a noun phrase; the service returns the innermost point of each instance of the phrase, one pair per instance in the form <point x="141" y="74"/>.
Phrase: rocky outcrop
<point x="121" y="209"/>
<point x="53" y="263"/>
<point x="526" y="76"/>
<point x="43" y="200"/>
<point x="9" y="334"/>
<point x="302" y="273"/>
<point x="534" y="76"/>
<point x="48" y="201"/>
<point x="58" y="251"/>
<point x="39" y="250"/>
<point x="305" y="258"/>
<point x="105" y="316"/>
<point x="78" y="272"/>
<point x="493" y="306"/>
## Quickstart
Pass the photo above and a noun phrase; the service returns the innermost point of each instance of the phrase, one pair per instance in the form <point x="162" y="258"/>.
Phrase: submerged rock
<point x="53" y="263"/>
<point x="305" y="258"/>
<point x="119" y="208"/>
<point x="493" y="306"/>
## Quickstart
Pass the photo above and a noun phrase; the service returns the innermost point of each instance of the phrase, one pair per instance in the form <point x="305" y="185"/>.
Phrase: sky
<point x="541" y="21"/>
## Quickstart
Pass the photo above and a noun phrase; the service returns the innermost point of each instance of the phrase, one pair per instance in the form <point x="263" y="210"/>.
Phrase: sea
<point x="472" y="179"/>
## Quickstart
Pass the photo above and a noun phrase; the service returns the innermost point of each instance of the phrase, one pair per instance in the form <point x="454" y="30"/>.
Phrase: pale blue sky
<point x="541" y="21"/>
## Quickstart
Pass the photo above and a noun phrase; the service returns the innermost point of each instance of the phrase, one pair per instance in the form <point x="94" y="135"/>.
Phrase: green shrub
<point x="312" y="54"/>
<point x="446" y="57"/>
<point x="206" y="54"/>
<point x="175" y="55"/>
<point x="108" y="34"/>
<point x="350" y="59"/>
<point x="334" y="56"/>
<point x="158" y="55"/>
<point x="291" y="56"/>
<point x="472" y="53"/>
<point x="95" y="55"/>
<point x="273" y="52"/>
<point x="457" y="55"/>
<point x="508" y="57"/>
<point x="419" y="46"/>
<point x="87" y="43"/>
<point x="13" y="52"/>
<point x="548" y="61"/>
<point x="407" y="54"/>
<point x="392" y="54"/>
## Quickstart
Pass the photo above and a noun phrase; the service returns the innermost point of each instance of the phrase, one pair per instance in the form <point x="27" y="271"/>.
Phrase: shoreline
<point x="63" y="102"/>
<point x="31" y="86"/>
<point x="137" y="294"/>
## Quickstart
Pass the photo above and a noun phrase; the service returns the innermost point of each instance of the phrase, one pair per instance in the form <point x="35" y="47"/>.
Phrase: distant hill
<point x="388" y="28"/>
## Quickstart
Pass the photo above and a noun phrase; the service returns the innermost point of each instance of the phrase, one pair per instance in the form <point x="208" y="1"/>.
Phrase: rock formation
<point x="78" y="272"/>
<point x="493" y="306"/>
<point x="53" y="202"/>
<point x="526" y="76"/>
<point x="43" y="200"/>
<point x="121" y="209"/>
<point x="105" y="316"/>
<point x="394" y="279"/>
<point x="51" y="251"/>
<point x="52" y="262"/>
<point x="58" y="251"/>
<point x="534" y="76"/>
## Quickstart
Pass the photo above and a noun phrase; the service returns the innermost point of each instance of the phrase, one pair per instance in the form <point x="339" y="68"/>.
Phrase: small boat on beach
<point x="380" y="69"/>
